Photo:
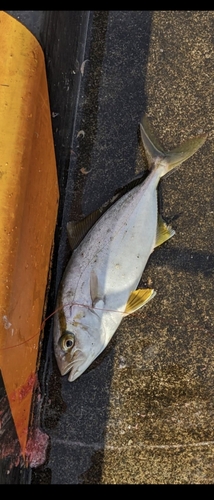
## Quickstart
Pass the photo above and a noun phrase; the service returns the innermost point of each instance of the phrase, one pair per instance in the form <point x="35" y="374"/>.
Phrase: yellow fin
<point x="164" y="232"/>
<point x="169" y="159"/>
<point x="138" y="299"/>
<point x="153" y="148"/>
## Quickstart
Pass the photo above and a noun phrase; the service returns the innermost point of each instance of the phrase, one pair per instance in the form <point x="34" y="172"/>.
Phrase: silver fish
<point x="99" y="284"/>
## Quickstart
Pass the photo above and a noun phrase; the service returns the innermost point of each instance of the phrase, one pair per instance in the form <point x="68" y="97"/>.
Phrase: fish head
<point x="77" y="346"/>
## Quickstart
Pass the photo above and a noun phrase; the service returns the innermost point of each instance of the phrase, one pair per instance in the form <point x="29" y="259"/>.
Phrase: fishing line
<point x="87" y="307"/>
<point x="52" y="314"/>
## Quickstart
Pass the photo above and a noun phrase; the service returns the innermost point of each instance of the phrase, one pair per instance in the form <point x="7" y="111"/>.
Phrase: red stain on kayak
<point x="20" y="393"/>
<point x="36" y="448"/>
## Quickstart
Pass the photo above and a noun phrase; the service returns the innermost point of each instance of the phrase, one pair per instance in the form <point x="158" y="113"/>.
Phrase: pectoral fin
<point x="138" y="299"/>
<point x="164" y="232"/>
<point x="96" y="295"/>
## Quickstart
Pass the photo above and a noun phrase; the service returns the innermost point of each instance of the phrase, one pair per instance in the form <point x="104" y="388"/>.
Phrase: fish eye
<point x="67" y="341"/>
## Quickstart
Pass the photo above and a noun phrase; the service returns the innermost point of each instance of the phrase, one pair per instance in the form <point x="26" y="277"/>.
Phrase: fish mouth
<point x="81" y="363"/>
<point x="75" y="362"/>
<point x="75" y="366"/>
<point x="76" y="371"/>
<point x="72" y="366"/>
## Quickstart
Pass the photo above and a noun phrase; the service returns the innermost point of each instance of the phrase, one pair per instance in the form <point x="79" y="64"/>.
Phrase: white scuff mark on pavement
<point x="139" y="445"/>
<point x="82" y="67"/>
<point x="81" y="133"/>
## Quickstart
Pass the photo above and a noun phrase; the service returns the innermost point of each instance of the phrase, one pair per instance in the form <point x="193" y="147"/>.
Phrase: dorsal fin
<point x="78" y="230"/>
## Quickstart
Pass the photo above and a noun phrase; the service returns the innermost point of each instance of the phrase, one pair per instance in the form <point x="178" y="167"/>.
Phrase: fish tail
<point x="167" y="160"/>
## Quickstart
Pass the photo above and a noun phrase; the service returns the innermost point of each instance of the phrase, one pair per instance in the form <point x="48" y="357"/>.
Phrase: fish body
<point x="99" y="284"/>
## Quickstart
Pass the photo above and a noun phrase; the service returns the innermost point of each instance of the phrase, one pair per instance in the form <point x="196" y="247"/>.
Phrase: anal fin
<point x="164" y="232"/>
<point x="138" y="298"/>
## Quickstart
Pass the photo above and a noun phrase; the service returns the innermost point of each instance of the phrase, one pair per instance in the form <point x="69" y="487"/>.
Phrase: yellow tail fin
<point x="169" y="159"/>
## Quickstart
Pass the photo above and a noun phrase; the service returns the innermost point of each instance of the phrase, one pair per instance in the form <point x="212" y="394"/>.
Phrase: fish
<point x="111" y="250"/>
